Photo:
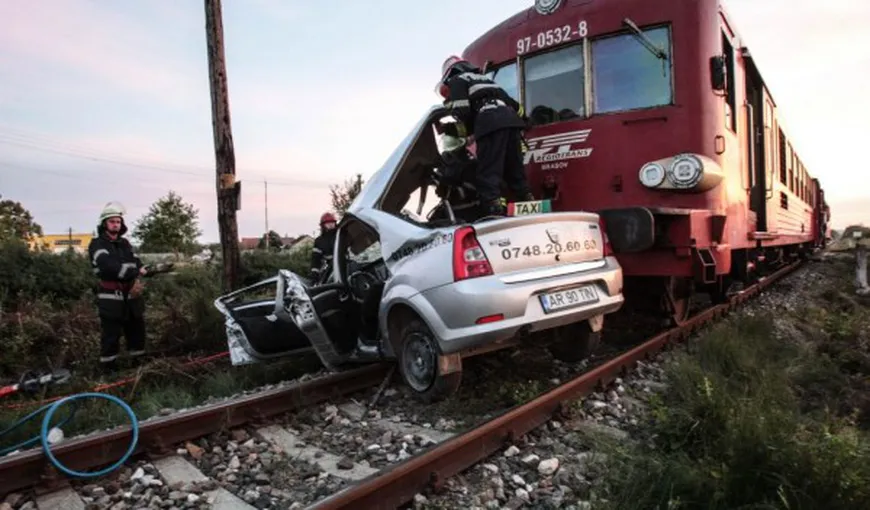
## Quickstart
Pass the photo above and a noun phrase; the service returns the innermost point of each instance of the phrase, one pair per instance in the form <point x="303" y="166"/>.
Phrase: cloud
<point x="317" y="96"/>
<point x="849" y="212"/>
<point x="115" y="52"/>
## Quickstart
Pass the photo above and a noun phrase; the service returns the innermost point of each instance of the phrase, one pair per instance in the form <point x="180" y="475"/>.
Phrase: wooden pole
<point x="266" y="198"/>
<point x="225" y="158"/>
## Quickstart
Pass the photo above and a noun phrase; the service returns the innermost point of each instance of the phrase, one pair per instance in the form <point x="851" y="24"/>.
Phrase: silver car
<point x="428" y="293"/>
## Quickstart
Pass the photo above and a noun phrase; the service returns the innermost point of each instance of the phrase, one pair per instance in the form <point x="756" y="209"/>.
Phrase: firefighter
<point x="324" y="245"/>
<point x="119" y="290"/>
<point x="493" y="117"/>
<point x="458" y="170"/>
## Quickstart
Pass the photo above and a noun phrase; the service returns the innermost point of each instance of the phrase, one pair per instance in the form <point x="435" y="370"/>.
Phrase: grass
<point x="768" y="411"/>
<point x="158" y="389"/>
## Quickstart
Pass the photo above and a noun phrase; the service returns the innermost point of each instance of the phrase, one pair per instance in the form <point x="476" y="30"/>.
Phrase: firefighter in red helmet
<point x="494" y="118"/>
<point x="321" y="254"/>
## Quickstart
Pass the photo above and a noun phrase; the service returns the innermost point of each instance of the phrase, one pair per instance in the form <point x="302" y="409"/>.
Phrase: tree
<point x="16" y="222"/>
<point x="342" y="195"/>
<point x="275" y="242"/>
<point x="169" y="225"/>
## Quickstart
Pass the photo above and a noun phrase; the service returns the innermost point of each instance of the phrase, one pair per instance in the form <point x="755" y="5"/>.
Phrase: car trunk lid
<point x="541" y="240"/>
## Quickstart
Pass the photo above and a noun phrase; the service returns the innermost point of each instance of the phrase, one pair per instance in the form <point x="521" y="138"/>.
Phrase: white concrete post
<point x="861" y="270"/>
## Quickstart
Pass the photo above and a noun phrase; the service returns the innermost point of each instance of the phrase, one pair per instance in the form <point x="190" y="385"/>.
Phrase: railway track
<point x="435" y="456"/>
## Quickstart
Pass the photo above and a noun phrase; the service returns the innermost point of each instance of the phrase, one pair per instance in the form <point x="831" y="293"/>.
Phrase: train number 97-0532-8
<point x="537" y="250"/>
<point x="552" y="37"/>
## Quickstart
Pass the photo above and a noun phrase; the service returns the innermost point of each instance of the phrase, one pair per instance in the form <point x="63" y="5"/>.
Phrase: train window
<point x="506" y="78"/>
<point x="627" y="76"/>
<point x="783" y="161"/>
<point x="554" y="83"/>
<point x="730" y="96"/>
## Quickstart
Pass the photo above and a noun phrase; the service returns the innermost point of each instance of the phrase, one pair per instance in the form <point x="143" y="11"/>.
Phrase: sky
<point x="104" y="100"/>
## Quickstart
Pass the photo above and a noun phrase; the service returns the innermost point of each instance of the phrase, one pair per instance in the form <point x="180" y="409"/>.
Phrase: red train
<point x="654" y="114"/>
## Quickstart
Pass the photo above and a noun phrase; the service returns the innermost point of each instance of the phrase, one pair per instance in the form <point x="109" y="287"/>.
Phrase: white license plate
<point x="569" y="298"/>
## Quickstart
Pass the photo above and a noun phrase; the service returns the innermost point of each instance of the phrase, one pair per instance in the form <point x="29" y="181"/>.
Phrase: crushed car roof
<point x="373" y="190"/>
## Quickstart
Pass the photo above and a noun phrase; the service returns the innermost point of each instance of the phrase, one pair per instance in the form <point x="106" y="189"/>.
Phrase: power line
<point x="41" y="138"/>
<point x="19" y="141"/>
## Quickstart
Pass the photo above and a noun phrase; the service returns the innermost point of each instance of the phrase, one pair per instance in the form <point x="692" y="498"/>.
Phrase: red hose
<point x="122" y="382"/>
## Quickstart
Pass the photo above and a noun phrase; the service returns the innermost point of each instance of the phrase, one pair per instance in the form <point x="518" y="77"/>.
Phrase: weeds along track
<point x="158" y="435"/>
<point x="398" y="485"/>
<point x="255" y="452"/>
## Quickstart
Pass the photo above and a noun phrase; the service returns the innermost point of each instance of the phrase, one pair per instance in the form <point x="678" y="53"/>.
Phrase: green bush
<point x="25" y="276"/>
<point x="260" y="265"/>
<point x="48" y="315"/>
<point x="730" y="433"/>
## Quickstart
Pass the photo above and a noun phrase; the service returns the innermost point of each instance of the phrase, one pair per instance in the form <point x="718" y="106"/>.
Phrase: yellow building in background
<point x="58" y="243"/>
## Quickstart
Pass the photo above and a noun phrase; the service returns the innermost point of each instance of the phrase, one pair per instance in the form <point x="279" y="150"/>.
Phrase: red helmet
<point x="448" y="65"/>
<point x="327" y="217"/>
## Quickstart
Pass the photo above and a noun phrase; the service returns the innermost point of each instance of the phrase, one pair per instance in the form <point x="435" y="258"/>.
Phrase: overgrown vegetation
<point x="48" y="317"/>
<point x="160" y="388"/>
<point x="767" y="411"/>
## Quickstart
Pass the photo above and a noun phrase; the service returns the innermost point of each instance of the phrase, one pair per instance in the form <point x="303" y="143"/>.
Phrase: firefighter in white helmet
<point x="118" y="293"/>
<point x="458" y="168"/>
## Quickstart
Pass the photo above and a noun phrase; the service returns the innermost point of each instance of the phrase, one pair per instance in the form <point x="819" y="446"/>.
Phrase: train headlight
<point x="686" y="171"/>
<point x="652" y="175"/>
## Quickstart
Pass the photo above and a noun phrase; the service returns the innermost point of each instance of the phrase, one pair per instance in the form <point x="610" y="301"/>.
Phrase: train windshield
<point x="624" y="75"/>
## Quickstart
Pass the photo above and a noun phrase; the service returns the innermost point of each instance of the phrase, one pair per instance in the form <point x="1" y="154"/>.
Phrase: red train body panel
<point x="606" y="101"/>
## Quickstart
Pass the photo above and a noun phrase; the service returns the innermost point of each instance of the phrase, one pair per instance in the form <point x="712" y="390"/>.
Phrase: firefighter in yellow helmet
<point x="118" y="293"/>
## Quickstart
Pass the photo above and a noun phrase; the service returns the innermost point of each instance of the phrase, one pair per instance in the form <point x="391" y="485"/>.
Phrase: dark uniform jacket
<point x="113" y="262"/>
<point x="481" y="105"/>
<point x="324" y="247"/>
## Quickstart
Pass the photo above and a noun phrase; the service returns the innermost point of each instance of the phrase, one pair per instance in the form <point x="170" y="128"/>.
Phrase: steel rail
<point x="399" y="484"/>
<point x="32" y="467"/>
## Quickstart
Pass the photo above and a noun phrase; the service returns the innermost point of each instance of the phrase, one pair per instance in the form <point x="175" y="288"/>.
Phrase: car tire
<point x="418" y="359"/>
<point x="574" y="342"/>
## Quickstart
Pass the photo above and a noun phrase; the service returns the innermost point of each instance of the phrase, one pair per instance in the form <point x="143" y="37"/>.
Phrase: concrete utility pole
<point x="228" y="190"/>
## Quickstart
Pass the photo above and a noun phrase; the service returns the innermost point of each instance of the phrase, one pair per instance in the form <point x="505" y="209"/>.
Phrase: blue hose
<point x="46" y="426"/>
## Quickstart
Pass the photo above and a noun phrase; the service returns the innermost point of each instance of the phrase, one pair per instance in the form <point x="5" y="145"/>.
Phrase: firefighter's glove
<point x="442" y="190"/>
<point x="137" y="289"/>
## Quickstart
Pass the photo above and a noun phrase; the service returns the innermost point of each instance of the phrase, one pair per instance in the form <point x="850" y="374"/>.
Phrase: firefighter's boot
<point x="492" y="208"/>
<point x="109" y="368"/>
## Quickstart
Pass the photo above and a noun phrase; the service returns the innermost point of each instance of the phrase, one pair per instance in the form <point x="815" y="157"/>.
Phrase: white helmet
<point x="451" y="143"/>
<point x="111" y="210"/>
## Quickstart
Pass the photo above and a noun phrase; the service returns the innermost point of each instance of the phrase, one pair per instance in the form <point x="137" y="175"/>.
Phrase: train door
<point x="755" y="144"/>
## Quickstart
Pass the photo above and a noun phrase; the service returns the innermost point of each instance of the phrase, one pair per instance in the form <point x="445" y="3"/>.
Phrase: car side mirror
<point x="718" y="72"/>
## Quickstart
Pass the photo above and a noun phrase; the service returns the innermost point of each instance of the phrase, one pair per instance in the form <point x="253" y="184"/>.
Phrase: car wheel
<point x="574" y="342"/>
<point x="419" y="364"/>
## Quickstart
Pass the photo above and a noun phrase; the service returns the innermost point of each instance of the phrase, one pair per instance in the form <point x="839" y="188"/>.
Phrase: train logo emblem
<point x="556" y="148"/>
<point x="547" y="6"/>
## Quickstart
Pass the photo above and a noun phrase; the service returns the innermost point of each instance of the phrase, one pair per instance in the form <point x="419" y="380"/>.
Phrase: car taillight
<point x="469" y="260"/>
<point x="608" y="250"/>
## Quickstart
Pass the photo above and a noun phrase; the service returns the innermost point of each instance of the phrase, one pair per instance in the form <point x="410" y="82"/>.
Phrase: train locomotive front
<point x="653" y="114"/>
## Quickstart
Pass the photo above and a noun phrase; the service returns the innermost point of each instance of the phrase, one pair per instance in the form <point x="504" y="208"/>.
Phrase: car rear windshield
<point x="623" y="75"/>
